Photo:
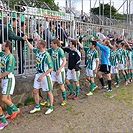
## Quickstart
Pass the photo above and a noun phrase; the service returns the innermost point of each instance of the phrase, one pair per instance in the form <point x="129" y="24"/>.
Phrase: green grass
<point x="123" y="93"/>
<point x="29" y="101"/>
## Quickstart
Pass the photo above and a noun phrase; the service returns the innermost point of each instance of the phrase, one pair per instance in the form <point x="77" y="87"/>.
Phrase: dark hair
<point x="22" y="24"/>
<point x="73" y="43"/>
<point x="101" y="29"/>
<point x="43" y="43"/>
<point x="14" y="19"/>
<point x="8" y="44"/>
<point x="56" y="41"/>
<point x="122" y="44"/>
<point x="94" y="43"/>
<point x="38" y="25"/>
<point x="51" y="23"/>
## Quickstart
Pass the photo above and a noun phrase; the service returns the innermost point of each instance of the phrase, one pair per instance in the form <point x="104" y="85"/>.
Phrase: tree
<point x="114" y="13"/>
<point x="106" y="10"/>
<point x="34" y="3"/>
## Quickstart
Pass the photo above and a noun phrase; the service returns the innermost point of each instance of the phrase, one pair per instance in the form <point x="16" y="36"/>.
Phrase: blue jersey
<point x="105" y="54"/>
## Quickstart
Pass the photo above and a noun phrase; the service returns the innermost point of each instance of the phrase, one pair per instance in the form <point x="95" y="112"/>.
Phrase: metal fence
<point x="44" y="27"/>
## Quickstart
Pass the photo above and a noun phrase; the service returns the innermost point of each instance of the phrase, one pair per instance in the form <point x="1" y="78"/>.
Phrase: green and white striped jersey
<point x="91" y="58"/>
<point x="123" y="55"/>
<point x="57" y="56"/>
<point x="114" y="58"/>
<point x="43" y="61"/>
<point x="7" y="63"/>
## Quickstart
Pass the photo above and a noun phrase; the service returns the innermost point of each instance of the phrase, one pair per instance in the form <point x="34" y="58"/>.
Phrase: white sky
<point x="86" y="5"/>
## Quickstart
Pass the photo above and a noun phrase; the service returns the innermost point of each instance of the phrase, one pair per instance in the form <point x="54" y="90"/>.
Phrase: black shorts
<point x="105" y="68"/>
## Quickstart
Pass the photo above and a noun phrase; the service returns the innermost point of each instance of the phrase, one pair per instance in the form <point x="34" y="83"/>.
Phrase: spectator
<point x="9" y="33"/>
<point x="101" y="33"/>
<point x="62" y="35"/>
<point x="20" y="48"/>
<point x="49" y="34"/>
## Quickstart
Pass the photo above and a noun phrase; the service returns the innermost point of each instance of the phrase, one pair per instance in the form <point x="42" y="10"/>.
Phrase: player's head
<point x="41" y="44"/>
<point x="7" y="45"/>
<point x="121" y="45"/>
<point x="55" y="43"/>
<point x="72" y="44"/>
<point x="23" y="26"/>
<point x="106" y="42"/>
<point x="14" y="22"/>
<point x="93" y="44"/>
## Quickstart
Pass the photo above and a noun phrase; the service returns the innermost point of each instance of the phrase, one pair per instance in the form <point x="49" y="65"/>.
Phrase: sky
<point x="86" y="4"/>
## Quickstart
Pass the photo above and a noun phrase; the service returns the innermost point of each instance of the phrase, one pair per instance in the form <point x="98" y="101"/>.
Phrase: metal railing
<point x="45" y="28"/>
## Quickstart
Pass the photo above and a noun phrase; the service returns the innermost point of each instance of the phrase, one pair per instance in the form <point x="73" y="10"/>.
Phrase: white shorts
<point x="60" y="78"/>
<point x="74" y="76"/>
<point x="45" y="84"/>
<point x="90" y="73"/>
<point x="114" y="70"/>
<point x="130" y="67"/>
<point x="8" y="86"/>
<point x="122" y="67"/>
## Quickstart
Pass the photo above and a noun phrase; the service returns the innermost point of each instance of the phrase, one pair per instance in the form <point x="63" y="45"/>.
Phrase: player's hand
<point x="116" y="66"/>
<point x="95" y="71"/>
<point x="24" y="37"/>
<point x="57" y="72"/>
<point x="73" y="70"/>
<point x="40" y="79"/>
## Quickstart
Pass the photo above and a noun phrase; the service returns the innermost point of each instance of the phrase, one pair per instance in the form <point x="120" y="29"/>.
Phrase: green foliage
<point x="106" y="10"/>
<point x="20" y="105"/>
<point x="34" y="3"/>
<point x="29" y="101"/>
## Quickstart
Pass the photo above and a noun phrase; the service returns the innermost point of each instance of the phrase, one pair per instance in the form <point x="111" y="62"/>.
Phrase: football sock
<point x="70" y="88"/>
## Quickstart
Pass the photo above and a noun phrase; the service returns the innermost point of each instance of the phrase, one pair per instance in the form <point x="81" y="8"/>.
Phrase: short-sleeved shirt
<point x="87" y="43"/>
<point x="57" y="56"/>
<point x="7" y="63"/>
<point x="91" y="58"/>
<point x="123" y="55"/>
<point x="43" y="61"/>
<point x="114" y="58"/>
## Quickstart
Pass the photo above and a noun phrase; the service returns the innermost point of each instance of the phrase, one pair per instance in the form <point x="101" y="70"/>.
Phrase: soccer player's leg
<point x="76" y="76"/>
<point x="93" y="86"/>
<point x="37" y="86"/>
<point x="100" y="75"/>
<point x="69" y="85"/>
<point x="7" y="90"/>
<point x="121" y="68"/>
<point x="48" y="87"/>
<point x="4" y="122"/>
<point x="61" y="81"/>
<point x="108" y="76"/>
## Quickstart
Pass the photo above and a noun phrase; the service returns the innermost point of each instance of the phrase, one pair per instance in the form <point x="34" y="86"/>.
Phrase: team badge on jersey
<point x="89" y="55"/>
<point x="38" y="61"/>
<point x="2" y="64"/>
<point x="54" y="56"/>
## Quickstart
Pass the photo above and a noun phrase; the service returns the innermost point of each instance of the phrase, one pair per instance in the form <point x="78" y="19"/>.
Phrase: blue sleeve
<point x="102" y="47"/>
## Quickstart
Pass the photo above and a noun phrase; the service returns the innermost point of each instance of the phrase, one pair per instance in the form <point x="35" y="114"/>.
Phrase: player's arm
<point x="66" y="49"/>
<point x="63" y="64"/>
<point x="50" y="68"/>
<point x="78" y="60"/>
<point x="4" y="74"/>
<point x="80" y="45"/>
<point x="29" y="44"/>
<point x="9" y="68"/>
